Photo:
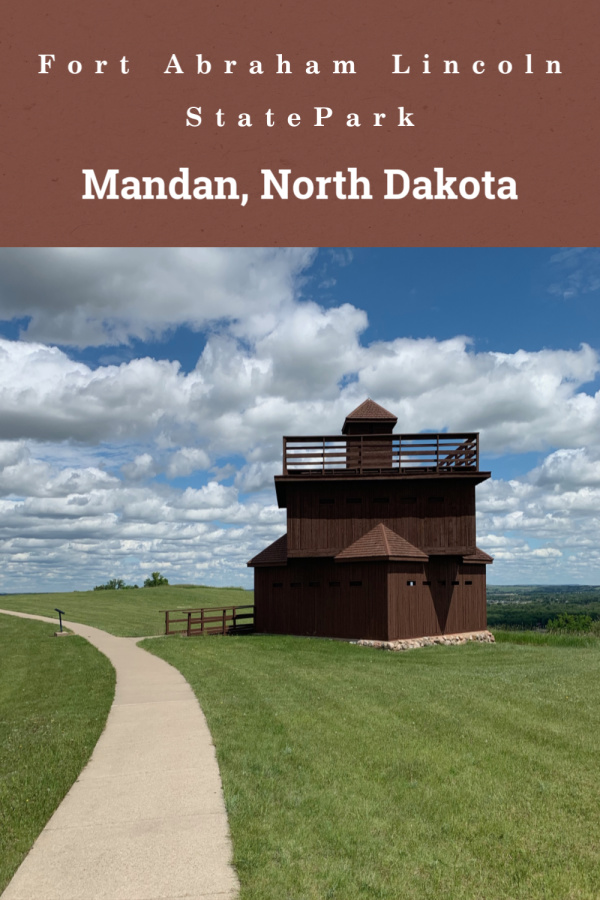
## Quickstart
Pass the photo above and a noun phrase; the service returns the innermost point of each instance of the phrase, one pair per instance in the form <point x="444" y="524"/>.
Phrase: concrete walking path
<point x="145" y="820"/>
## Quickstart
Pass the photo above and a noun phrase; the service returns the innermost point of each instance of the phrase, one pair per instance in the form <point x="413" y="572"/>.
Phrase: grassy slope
<point x="127" y="613"/>
<point x="55" y="694"/>
<point x="467" y="772"/>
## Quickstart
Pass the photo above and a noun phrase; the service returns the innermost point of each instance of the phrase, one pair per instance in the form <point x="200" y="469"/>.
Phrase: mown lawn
<point x="55" y="695"/>
<point x="134" y="613"/>
<point x="463" y="772"/>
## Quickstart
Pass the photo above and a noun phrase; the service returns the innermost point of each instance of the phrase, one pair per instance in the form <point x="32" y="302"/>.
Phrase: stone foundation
<point x="485" y="637"/>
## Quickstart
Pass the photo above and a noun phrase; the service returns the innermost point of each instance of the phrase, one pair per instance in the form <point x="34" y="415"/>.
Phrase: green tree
<point x="570" y="622"/>
<point x="114" y="584"/>
<point x="155" y="580"/>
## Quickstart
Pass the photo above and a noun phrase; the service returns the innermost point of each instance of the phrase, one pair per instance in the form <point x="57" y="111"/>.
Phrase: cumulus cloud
<point x="187" y="460"/>
<point x="80" y="527"/>
<point x="511" y="398"/>
<point x="544" y="525"/>
<point x="571" y="468"/>
<point x="97" y="296"/>
<point x="92" y="458"/>
<point x="142" y="466"/>
<point x="257" y="476"/>
<point x="242" y="397"/>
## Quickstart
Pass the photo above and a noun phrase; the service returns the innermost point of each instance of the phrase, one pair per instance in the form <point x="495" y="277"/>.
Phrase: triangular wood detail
<point x="381" y="543"/>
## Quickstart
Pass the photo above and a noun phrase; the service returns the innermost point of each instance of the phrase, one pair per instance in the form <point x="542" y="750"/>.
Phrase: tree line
<point x="117" y="584"/>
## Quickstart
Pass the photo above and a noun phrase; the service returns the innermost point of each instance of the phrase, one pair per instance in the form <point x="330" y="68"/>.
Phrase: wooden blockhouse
<point x="380" y="539"/>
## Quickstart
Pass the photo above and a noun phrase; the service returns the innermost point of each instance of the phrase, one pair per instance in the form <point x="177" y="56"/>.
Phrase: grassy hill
<point x="349" y="773"/>
<point x="137" y="613"/>
<point x="456" y="772"/>
<point x="132" y="613"/>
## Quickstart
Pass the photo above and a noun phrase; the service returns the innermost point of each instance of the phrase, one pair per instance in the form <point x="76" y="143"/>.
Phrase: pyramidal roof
<point x="371" y="410"/>
<point x="381" y="543"/>
<point x="273" y="555"/>
<point x="480" y="556"/>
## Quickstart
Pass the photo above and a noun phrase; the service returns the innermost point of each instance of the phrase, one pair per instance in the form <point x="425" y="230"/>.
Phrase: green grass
<point x="463" y="772"/>
<point x="545" y="638"/>
<point x="125" y="613"/>
<point x="55" y="694"/>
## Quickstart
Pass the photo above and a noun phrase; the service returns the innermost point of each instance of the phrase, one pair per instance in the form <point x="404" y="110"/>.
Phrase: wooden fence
<point x="391" y="454"/>
<point x="210" y="620"/>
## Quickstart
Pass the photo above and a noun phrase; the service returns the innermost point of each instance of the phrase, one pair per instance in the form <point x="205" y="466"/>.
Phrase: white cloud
<point x="570" y="468"/>
<point x="84" y="527"/>
<point x="185" y="461"/>
<point x="88" y="453"/>
<point x="546" y="553"/>
<point x="257" y="476"/>
<point x="243" y="397"/>
<point x="515" y="516"/>
<point x="142" y="466"/>
<point x="90" y="297"/>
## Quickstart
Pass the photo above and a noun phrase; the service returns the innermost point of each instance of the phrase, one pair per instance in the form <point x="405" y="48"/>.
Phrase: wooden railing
<point x="209" y="620"/>
<point x="388" y="454"/>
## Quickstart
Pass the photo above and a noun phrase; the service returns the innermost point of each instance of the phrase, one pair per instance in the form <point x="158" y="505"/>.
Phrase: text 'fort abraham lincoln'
<point x="394" y="183"/>
<point x="319" y="116"/>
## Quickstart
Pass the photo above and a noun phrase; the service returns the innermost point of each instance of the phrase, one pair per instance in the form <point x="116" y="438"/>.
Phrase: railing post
<point x="437" y="453"/>
<point x="202" y="621"/>
<point x="189" y="624"/>
<point x="284" y="456"/>
<point x="224" y="619"/>
<point x="477" y="452"/>
<point x="167" y="621"/>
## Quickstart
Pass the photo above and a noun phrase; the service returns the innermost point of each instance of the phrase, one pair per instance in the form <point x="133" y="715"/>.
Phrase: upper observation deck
<point x="381" y="455"/>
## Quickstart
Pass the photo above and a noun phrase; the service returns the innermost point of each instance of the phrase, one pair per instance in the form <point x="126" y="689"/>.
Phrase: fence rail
<point x="388" y="454"/>
<point x="209" y="620"/>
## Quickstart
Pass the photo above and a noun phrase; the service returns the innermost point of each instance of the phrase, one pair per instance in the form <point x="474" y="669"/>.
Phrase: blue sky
<point x="144" y="393"/>
<point x="506" y="299"/>
<point x="503" y="298"/>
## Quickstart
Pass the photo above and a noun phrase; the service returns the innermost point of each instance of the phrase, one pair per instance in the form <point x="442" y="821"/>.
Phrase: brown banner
<point x="427" y="122"/>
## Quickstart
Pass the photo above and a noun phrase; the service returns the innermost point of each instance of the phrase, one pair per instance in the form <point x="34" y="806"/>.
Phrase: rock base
<point x="485" y="637"/>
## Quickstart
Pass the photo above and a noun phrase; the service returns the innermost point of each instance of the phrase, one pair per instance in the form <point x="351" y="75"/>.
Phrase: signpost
<point x="61" y="613"/>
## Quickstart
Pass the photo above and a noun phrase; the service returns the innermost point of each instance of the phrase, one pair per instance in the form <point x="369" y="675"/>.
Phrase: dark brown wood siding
<point x="429" y="514"/>
<point x="468" y="610"/>
<point x="376" y="601"/>
<point x="411" y="610"/>
<point x="442" y="601"/>
<point x="322" y="598"/>
<point x="374" y="455"/>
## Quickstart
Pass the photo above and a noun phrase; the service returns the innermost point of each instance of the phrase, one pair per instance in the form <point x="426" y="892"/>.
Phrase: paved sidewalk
<point x="145" y="820"/>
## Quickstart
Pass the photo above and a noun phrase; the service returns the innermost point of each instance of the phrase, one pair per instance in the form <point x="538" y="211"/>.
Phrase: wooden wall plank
<point x="435" y="513"/>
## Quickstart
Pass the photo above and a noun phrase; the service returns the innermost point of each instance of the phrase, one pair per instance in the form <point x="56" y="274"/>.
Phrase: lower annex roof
<point x="380" y="544"/>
